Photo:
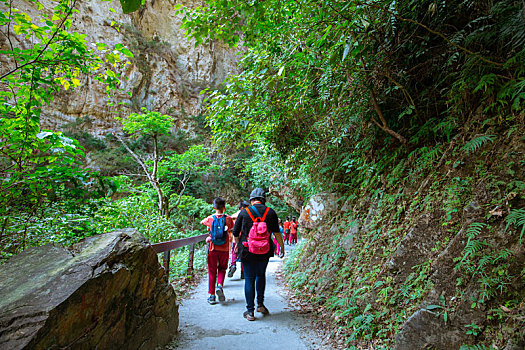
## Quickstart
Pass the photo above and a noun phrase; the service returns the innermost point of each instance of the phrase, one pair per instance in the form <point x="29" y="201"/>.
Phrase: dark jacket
<point x="243" y="225"/>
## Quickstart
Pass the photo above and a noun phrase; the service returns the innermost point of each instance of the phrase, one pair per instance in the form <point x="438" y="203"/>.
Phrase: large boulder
<point x="107" y="292"/>
<point x="317" y="210"/>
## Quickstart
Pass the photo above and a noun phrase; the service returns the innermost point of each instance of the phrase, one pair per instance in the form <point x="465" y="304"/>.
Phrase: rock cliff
<point x="167" y="72"/>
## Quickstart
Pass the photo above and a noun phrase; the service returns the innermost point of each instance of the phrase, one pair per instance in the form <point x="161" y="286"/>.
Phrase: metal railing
<point x="167" y="247"/>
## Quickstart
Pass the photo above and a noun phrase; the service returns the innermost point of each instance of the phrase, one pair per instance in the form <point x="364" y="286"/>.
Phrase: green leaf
<point x="129" y="6"/>
<point x="433" y="307"/>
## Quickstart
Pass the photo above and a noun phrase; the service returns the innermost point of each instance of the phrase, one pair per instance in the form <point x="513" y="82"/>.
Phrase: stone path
<point x="222" y="326"/>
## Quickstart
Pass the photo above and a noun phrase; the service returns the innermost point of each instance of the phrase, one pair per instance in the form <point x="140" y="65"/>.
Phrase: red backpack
<point x="259" y="237"/>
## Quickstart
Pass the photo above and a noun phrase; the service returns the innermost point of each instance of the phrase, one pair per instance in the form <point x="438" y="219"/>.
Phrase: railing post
<point x="190" y="259"/>
<point x="166" y="262"/>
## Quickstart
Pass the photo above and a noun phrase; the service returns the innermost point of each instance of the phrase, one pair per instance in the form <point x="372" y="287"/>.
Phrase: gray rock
<point x="427" y="330"/>
<point x="472" y="210"/>
<point x="108" y="292"/>
<point x="318" y="208"/>
<point x="347" y="241"/>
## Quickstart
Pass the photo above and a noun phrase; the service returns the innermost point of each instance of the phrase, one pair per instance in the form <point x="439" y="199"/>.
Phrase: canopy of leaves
<point x="150" y="123"/>
<point x="334" y="87"/>
<point x="195" y="160"/>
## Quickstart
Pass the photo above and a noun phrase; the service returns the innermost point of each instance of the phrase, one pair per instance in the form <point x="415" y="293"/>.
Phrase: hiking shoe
<point x="220" y="293"/>
<point x="232" y="270"/>
<point x="249" y="315"/>
<point x="211" y="300"/>
<point x="262" y="309"/>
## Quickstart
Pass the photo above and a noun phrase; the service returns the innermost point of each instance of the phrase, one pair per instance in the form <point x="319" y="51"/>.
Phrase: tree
<point x="41" y="56"/>
<point x="194" y="162"/>
<point x="181" y="166"/>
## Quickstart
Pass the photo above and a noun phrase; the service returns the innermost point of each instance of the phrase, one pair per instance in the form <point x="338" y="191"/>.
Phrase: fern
<point x="475" y="228"/>
<point x="484" y="261"/>
<point x="473" y="245"/>
<point x="517" y="218"/>
<point x="473" y="347"/>
<point x="474" y="144"/>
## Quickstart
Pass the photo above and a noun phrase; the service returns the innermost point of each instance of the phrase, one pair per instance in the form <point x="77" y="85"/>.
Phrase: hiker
<point x="220" y="226"/>
<point x="277" y="247"/>
<point x="235" y="256"/>
<point x="293" y="230"/>
<point x="287" y="230"/>
<point x="252" y="234"/>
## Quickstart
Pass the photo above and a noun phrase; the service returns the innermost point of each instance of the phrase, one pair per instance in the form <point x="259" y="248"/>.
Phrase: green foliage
<point x="474" y="347"/>
<point x="149" y="123"/>
<point x="516" y="217"/>
<point x="196" y="160"/>
<point x="129" y="6"/>
<point x="490" y="267"/>
<point x="39" y="168"/>
<point x="442" y="307"/>
<point x="473" y="329"/>
<point x="318" y="78"/>
<point x="474" y="144"/>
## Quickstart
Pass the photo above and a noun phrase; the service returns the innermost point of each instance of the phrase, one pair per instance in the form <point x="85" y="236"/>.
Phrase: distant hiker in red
<point x="286" y="227"/>
<point x="235" y="257"/>
<point x="277" y="247"/>
<point x="220" y="226"/>
<point x="293" y="231"/>
<point x="252" y="233"/>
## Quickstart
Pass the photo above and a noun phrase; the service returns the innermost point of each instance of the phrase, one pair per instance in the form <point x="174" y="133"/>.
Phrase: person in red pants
<point x="220" y="226"/>
<point x="293" y="230"/>
<point x="286" y="227"/>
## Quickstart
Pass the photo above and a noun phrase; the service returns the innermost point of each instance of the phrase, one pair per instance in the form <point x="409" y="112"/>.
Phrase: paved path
<point x="222" y="326"/>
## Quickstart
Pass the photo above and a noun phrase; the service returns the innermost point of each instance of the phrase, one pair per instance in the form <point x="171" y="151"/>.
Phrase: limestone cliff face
<point x="166" y="74"/>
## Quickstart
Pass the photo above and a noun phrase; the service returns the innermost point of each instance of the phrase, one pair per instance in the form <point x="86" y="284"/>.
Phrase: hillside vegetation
<point x="411" y="112"/>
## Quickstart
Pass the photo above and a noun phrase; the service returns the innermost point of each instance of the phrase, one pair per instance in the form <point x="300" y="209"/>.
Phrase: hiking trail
<point x="222" y="326"/>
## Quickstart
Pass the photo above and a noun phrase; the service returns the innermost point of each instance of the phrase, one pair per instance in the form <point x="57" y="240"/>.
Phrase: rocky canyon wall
<point x="166" y="74"/>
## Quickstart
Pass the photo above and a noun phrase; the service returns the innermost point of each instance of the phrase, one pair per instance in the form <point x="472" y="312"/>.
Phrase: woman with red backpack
<point x="252" y="234"/>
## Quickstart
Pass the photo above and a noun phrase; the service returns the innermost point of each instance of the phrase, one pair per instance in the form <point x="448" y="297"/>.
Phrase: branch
<point x="11" y="186"/>
<point x="45" y="47"/>
<point x="134" y="155"/>
<point x="184" y="182"/>
<point x="378" y="110"/>
<point x="8" y="35"/>
<point x="462" y="48"/>
<point x="155" y="158"/>
<point x="409" y="98"/>
<point x="386" y="129"/>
